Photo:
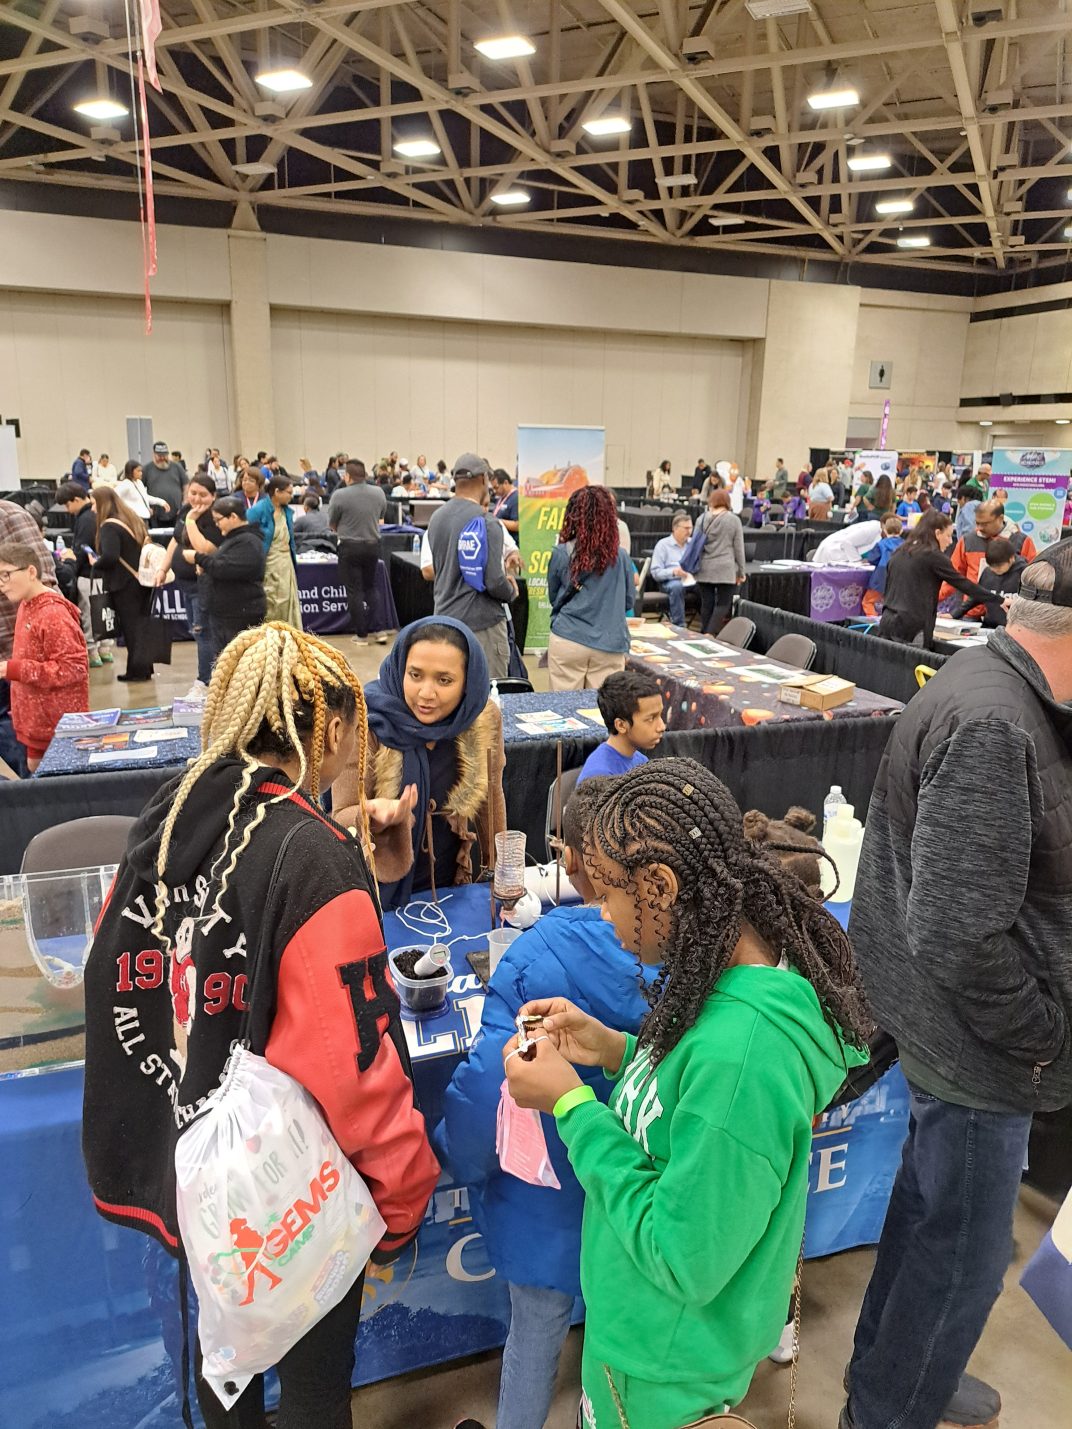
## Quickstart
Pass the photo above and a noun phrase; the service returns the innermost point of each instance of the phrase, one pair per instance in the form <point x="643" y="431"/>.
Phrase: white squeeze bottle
<point x="830" y="804"/>
<point x="843" y="842"/>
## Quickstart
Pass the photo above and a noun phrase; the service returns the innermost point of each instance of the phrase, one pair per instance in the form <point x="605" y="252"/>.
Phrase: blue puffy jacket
<point x="533" y="1233"/>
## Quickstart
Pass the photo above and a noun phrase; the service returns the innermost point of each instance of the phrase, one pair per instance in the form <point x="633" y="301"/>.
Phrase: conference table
<point x="829" y="593"/>
<point x="90" y="1331"/>
<point x="322" y="595"/>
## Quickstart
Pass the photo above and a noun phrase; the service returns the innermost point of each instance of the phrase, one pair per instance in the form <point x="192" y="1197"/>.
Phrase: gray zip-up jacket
<point x="962" y="915"/>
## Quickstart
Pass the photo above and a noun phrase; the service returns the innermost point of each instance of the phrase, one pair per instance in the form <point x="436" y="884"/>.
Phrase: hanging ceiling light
<point x="418" y="148"/>
<point x="254" y="169"/>
<point x="914" y="240"/>
<point x="607" y="125"/>
<point x="505" y="47"/>
<point x="101" y="107"/>
<point x="511" y="198"/>
<point x="728" y="222"/>
<point x="286" y="80"/>
<point x="676" y="181"/>
<point x="895" y="205"/>
<point x="869" y="163"/>
<point x="833" y="99"/>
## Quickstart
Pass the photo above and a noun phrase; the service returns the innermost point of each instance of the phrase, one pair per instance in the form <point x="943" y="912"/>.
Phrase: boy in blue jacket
<point x="533" y="1233"/>
<point x="879" y="556"/>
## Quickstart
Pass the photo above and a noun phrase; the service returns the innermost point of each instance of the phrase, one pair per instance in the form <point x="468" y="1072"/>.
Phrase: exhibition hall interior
<point x="536" y="714"/>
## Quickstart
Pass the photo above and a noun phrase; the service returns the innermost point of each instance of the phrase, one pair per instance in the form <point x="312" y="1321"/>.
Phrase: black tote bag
<point x="154" y="635"/>
<point x="102" y="614"/>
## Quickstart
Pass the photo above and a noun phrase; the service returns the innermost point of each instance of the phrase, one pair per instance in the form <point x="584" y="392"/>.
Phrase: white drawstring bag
<point x="275" y="1222"/>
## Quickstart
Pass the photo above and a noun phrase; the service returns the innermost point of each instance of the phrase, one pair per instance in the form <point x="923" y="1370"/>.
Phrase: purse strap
<point x="728" y="1418"/>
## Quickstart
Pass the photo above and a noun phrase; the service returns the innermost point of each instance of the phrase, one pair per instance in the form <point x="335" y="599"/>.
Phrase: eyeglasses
<point x="5" y="576"/>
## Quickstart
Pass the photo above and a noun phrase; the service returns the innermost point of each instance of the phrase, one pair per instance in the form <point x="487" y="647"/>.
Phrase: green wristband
<point x="574" y="1097"/>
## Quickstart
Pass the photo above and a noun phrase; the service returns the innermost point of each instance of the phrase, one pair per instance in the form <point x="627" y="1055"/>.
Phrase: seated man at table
<point x="847" y="546"/>
<point x="666" y="569"/>
<point x="533" y="1233"/>
<point x="1002" y="574"/>
<point x="631" y="704"/>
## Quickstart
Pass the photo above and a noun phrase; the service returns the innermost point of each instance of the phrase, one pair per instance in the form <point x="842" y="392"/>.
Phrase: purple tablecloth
<point x="837" y="592"/>
<point x="323" y="600"/>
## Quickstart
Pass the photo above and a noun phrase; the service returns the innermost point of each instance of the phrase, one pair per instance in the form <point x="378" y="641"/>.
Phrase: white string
<point x="429" y="921"/>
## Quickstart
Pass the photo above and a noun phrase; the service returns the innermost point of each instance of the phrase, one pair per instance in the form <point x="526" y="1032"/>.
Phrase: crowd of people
<point x="690" y="1015"/>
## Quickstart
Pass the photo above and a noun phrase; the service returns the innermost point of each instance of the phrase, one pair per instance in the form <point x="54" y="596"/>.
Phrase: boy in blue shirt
<point x="879" y="556"/>
<point x="533" y="1233"/>
<point x="910" y="505"/>
<point x="631" y="704"/>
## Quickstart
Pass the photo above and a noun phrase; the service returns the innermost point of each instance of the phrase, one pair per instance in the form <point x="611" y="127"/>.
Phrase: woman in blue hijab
<point x="435" y="746"/>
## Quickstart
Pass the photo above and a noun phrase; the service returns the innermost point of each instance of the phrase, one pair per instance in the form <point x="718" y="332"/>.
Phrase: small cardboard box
<point x="816" y="692"/>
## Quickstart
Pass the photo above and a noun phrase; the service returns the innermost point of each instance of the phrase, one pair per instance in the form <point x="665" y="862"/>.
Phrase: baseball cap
<point x="161" y="449"/>
<point x="1060" y="558"/>
<point x="469" y="464"/>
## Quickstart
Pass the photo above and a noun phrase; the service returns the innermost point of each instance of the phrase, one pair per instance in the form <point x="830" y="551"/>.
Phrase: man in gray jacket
<point x="471" y="583"/>
<point x="971" y="972"/>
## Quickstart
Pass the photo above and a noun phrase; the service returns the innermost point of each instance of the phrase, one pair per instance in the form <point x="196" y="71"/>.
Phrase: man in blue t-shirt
<point x="504" y="500"/>
<point x="631" y="704"/>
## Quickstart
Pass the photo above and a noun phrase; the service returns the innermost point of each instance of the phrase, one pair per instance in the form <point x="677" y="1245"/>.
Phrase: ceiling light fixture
<point x="914" y="240"/>
<point x="608" y="125"/>
<point x="254" y="169"/>
<point x="1068" y="231"/>
<point x="101" y="108"/>
<point x="283" y="81"/>
<point x="895" y="205"/>
<point x="986" y="424"/>
<point x="775" y="9"/>
<point x="869" y="163"/>
<point x="505" y="47"/>
<point x="833" y="99"/>
<point x="717" y="222"/>
<point x="676" y="181"/>
<point x="1062" y="421"/>
<point x="418" y="149"/>
<point x="511" y="198"/>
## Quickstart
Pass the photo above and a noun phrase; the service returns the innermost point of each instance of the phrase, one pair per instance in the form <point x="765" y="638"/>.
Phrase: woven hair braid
<point x="675" y="812"/>
<point x="262" y="680"/>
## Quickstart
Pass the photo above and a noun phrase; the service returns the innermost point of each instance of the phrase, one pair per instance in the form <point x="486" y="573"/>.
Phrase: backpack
<point x="473" y="552"/>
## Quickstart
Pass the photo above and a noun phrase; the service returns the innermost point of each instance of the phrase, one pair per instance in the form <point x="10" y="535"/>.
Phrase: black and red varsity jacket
<point x="293" y="956"/>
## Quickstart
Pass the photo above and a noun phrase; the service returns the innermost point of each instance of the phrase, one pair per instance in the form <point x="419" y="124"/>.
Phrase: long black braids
<point x="675" y="812"/>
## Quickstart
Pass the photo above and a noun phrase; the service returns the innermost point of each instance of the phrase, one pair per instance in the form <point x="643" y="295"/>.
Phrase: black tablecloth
<point x="782" y="589"/>
<point x="413" y="595"/>
<point x="883" y="666"/>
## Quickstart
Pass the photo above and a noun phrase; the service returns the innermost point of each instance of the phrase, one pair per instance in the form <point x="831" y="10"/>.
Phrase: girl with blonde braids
<point x="241" y="910"/>
<point x="696" y="1172"/>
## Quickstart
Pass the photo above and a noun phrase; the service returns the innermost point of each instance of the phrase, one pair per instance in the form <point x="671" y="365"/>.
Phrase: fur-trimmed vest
<point x="474" y="813"/>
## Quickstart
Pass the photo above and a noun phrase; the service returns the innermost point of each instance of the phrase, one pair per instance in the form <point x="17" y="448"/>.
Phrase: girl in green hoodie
<point x="696" y="1173"/>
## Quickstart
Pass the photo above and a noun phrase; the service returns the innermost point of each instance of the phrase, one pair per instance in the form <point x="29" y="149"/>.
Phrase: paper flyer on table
<point x="114" y="756"/>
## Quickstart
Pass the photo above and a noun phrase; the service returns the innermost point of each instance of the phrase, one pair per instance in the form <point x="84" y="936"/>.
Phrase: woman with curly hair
<point x="591" y="587"/>
<point x="696" y="1173"/>
<point x="240" y="911"/>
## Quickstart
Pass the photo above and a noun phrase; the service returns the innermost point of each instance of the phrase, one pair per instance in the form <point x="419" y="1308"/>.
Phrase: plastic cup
<point x="499" y="939"/>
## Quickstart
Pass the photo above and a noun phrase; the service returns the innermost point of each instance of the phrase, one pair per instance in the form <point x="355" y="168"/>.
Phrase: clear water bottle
<point x="830" y="804"/>
<point x="416" y="547"/>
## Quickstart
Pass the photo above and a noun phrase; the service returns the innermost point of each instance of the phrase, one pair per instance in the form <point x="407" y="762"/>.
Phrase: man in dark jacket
<point x="973" y="978"/>
<point x="165" y="479"/>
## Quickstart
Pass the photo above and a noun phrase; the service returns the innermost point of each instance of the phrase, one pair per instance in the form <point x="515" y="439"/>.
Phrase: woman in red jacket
<point x="238" y="898"/>
<point x="49" y="665"/>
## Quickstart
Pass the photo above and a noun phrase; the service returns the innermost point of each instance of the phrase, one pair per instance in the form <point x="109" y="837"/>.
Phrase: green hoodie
<point x="696" y="1180"/>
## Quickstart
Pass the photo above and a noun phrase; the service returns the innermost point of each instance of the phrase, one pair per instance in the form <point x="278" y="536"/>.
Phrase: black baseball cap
<point x="469" y="464"/>
<point x="1060" y="558"/>
<point x="161" y="449"/>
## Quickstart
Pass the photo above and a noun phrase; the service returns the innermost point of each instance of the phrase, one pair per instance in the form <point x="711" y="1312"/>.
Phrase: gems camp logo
<point x="1032" y="459"/>
<point x="254" y="1254"/>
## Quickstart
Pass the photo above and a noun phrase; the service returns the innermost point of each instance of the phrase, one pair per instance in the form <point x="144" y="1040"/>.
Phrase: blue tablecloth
<point x="62" y="756"/>
<point x="566" y="703"/>
<point x="90" y="1336"/>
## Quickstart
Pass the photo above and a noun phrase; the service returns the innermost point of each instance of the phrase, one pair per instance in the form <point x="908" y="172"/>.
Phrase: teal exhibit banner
<point x="1036" y="482"/>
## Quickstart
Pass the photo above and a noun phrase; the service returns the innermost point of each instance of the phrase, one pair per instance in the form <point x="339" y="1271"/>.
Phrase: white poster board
<point x="877" y="463"/>
<point x="9" y="459"/>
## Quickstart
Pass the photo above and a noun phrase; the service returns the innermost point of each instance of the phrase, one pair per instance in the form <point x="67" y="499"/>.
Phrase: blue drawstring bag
<point x="692" y="555"/>
<point x="473" y="552"/>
